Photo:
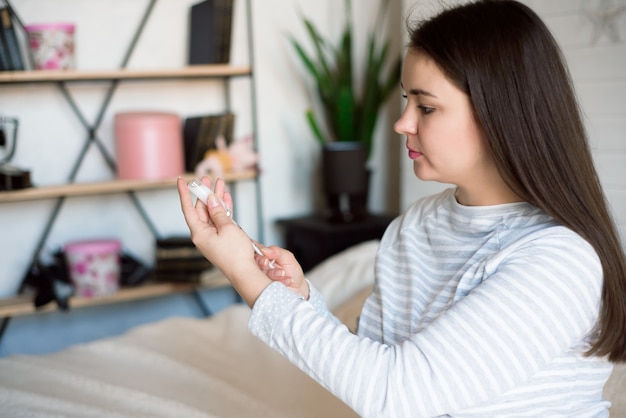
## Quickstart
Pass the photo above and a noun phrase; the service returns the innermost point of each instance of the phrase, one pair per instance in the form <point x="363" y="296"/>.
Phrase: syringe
<point x="202" y="192"/>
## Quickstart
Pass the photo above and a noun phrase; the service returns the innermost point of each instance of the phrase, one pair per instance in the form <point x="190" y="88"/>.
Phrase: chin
<point x="424" y="174"/>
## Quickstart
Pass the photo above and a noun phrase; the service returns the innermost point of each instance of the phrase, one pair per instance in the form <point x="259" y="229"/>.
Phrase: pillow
<point x="346" y="274"/>
<point x="350" y="311"/>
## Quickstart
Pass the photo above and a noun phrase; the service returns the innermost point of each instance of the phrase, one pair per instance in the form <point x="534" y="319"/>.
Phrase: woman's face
<point x="442" y="137"/>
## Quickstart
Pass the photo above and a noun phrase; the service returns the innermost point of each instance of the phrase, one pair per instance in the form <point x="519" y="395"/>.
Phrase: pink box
<point x="149" y="145"/>
<point x="52" y="45"/>
<point x="94" y="266"/>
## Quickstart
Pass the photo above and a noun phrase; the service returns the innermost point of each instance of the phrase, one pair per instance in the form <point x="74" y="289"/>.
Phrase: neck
<point x="485" y="196"/>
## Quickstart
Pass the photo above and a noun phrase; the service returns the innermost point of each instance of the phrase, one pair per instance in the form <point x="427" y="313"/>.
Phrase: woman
<point x="501" y="296"/>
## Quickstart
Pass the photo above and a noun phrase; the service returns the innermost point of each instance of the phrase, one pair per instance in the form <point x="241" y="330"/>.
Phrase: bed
<point x="189" y="367"/>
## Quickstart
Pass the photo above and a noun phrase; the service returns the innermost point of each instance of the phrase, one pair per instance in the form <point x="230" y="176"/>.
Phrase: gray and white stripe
<point x="476" y="312"/>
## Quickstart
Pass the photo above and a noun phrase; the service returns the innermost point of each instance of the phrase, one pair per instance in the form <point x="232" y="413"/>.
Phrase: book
<point x="210" y="32"/>
<point x="178" y="260"/>
<point x="200" y="134"/>
<point x="5" y="65"/>
<point x="10" y="40"/>
<point x="225" y="22"/>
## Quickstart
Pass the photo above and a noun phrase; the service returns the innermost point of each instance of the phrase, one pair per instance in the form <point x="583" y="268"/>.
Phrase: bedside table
<point x="314" y="238"/>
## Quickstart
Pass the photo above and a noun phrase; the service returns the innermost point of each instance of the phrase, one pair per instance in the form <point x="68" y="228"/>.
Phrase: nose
<point x="407" y="124"/>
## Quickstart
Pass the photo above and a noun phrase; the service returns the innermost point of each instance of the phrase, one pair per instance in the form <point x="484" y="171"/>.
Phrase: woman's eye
<point x="426" y="110"/>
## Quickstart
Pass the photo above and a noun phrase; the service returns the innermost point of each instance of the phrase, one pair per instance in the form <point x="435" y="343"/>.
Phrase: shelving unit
<point x="106" y="187"/>
<point x="197" y="71"/>
<point x="223" y="72"/>
<point x="23" y="305"/>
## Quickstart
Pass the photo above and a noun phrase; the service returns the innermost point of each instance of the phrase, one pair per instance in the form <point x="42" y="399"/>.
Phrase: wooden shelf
<point x="105" y="187"/>
<point x="23" y="304"/>
<point x="196" y="71"/>
<point x="223" y="73"/>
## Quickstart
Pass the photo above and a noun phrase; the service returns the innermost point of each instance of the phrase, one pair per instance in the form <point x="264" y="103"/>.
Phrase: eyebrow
<point x="418" y="92"/>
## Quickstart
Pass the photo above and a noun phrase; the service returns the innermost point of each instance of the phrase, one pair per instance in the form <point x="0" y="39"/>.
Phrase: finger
<point x="278" y="254"/>
<point x="207" y="181"/>
<point x="228" y="200"/>
<point x="264" y="263"/>
<point x="203" y="213"/>
<point x="221" y="190"/>
<point x="280" y="275"/>
<point x="217" y="212"/>
<point x="186" y="203"/>
<point x="268" y="259"/>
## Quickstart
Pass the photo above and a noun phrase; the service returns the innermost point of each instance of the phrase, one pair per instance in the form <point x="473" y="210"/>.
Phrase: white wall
<point x="50" y="135"/>
<point x="598" y="66"/>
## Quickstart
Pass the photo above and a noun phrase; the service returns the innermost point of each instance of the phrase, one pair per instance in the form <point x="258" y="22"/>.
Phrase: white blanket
<point x="184" y="367"/>
<point x="213" y="367"/>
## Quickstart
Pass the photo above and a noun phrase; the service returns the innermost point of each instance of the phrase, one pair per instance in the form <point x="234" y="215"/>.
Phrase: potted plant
<point x="349" y="111"/>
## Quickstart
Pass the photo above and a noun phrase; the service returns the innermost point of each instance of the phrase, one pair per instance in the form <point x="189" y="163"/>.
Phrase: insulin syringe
<point x="202" y="192"/>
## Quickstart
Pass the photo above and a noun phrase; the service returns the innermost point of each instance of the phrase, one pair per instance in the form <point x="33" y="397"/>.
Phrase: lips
<point x="413" y="154"/>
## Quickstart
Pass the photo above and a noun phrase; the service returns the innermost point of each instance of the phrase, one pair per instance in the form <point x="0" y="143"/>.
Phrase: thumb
<point x="279" y="255"/>
<point x="217" y="212"/>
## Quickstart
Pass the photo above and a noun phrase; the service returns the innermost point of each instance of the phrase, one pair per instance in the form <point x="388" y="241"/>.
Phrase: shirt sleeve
<point x="535" y="306"/>
<point x="317" y="301"/>
<point x="275" y="301"/>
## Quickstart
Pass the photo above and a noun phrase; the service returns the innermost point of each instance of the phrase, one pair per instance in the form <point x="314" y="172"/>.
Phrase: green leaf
<point x="345" y="115"/>
<point x="308" y="62"/>
<point x="319" y="46"/>
<point x="315" y="128"/>
<point x="350" y="113"/>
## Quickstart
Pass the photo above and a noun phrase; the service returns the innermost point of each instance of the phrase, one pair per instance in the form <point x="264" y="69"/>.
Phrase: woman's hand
<point x="221" y="241"/>
<point x="287" y="269"/>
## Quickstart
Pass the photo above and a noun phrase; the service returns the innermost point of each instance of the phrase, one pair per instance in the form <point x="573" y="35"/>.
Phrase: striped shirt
<point x="476" y="312"/>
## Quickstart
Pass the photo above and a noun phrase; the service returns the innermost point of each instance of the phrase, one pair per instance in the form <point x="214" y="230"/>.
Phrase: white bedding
<point x="185" y="367"/>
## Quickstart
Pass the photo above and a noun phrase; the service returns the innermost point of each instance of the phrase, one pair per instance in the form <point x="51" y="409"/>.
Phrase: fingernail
<point x="213" y="202"/>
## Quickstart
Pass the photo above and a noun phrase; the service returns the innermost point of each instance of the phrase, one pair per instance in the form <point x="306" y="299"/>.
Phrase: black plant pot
<point x="346" y="181"/>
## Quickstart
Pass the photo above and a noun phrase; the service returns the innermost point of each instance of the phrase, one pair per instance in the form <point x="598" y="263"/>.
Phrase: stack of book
<point x="10" y="53"/>
<point x="178" y="260"/>
<point x="210" y="32"/>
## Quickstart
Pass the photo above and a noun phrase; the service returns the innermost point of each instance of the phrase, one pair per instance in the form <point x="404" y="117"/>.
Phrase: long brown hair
<point x="504" y="57"/>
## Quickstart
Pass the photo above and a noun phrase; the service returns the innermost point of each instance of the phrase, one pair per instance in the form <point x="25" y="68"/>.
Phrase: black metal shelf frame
<point x="92" y="128"/>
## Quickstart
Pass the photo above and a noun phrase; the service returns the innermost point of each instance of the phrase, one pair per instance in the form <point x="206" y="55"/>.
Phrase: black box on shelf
<point x="178" y="260"/>
<point x="210" y="23"/>
<point x="13" y="178"/>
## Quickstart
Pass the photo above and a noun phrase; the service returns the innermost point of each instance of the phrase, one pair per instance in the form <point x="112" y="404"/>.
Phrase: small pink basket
<point x="94" y="266"/>
<point x="52" y="45"/>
